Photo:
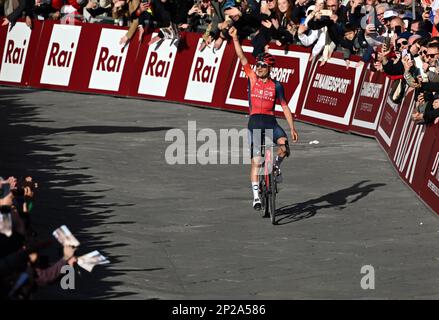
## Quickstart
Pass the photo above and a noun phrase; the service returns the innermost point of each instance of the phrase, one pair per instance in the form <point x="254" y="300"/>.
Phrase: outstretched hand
<point x="417" y="116"/>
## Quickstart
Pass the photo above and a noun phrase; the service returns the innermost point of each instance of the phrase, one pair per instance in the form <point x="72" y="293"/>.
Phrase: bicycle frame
<point x="267" y="183"/>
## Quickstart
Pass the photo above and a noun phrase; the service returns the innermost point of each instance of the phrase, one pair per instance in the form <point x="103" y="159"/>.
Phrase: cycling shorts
<point x="261" y="127"/>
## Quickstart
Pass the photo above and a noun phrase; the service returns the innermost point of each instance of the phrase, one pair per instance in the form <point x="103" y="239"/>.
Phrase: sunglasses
<point x="432" y="55"/>
<point x="403" y="43"/>
<point x="424" y="52"/>
<point x="261" y="65"/>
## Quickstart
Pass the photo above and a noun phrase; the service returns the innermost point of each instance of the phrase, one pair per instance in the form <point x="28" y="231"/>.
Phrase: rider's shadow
<point x="337" y="199"/>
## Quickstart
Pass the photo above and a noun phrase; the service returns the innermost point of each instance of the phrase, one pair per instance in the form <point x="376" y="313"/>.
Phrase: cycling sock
<point x="255" y="188"/>
<point x="279" y="160"/>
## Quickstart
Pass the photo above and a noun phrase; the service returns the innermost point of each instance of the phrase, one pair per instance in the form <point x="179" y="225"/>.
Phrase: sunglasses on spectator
<point x="261" y="65"/>
<point x="423" y="52"/>
<point x="403" y="43"/>
<point x="432" y="55"/>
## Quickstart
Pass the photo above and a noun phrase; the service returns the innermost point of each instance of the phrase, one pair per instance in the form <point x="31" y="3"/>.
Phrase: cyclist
<point x="263" y="93"/>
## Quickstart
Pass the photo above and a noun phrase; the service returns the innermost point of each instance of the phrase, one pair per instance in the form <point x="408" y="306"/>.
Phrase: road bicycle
<point x="267" y="182"/>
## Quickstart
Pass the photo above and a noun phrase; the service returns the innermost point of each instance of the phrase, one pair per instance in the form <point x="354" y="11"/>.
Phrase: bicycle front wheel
<point x="263" y="195"/>
<point x="272" y="198"/>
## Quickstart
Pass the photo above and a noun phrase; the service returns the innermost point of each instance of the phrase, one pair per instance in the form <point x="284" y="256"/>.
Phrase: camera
<point x="206" y="18"/>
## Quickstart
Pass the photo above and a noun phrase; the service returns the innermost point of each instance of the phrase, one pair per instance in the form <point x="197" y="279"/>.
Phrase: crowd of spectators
<point x="396" y="37"/>
<point x="23" y="267"/>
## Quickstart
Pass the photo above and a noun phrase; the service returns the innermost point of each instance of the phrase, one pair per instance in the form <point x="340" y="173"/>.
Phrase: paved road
<point x="188" y="231"/>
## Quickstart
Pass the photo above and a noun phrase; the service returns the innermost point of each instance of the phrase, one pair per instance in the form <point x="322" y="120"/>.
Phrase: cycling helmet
<point x="266" y="58"/>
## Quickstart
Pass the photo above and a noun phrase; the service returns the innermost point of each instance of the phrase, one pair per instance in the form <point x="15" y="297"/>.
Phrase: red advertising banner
<point x="410" y="148"/>
<point x="85" y="58"/>
<point x="184" y="75"/>
<point x="390" y="115"/>
<point x="429" y="189"/>
<point x="206" y="81"/>
<point x="370" y="103"/>
<point x="331" y="93"/>
<point x="290" y="70"/>
<point x="156" y="67"/>
<point x="18" y="47"/>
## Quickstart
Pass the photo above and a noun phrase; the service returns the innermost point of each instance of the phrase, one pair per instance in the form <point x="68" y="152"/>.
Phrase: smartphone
<point x="404" y="53"/>
<point x="5" y="189"/>
<point x="302" y="21"/>
<point x="387" y="42"/>
<point x="263" y="3"/>
<point x="327" y="13"/>
<point x="398" y="30"/>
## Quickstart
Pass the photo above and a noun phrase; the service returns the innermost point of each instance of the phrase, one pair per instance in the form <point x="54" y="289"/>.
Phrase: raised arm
<point x="234" y="34"/>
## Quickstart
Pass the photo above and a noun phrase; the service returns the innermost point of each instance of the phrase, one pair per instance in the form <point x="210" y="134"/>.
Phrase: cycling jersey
<point x="262" y="95"/>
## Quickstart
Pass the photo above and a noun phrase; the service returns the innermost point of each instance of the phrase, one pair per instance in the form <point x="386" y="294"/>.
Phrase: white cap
<point x="389" y="14"/>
